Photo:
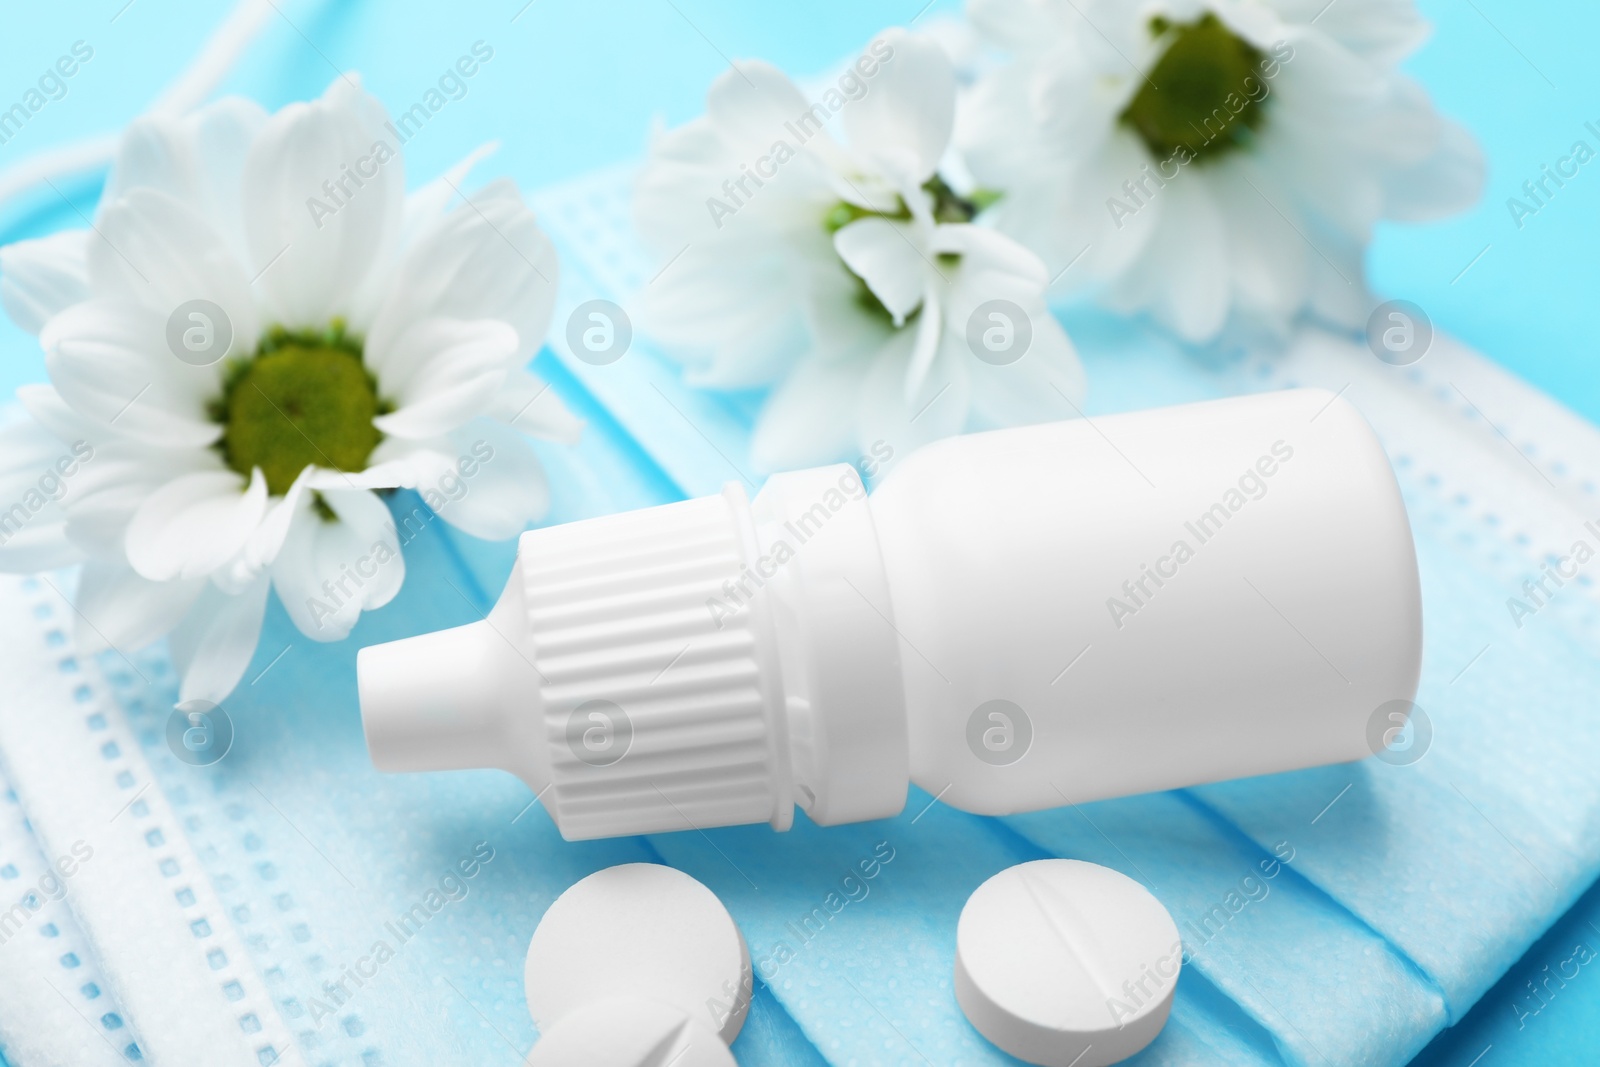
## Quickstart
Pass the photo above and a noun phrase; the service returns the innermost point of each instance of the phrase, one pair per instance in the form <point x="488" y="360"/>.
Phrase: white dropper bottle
<point x="1013" y="620"/>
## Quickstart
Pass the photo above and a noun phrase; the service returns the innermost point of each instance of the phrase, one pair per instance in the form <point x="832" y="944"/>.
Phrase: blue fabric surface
<point x="575" y="86"/>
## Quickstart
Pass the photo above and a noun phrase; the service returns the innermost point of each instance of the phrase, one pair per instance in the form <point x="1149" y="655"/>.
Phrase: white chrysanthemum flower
<point x="846" y="274"/>
<point x="1212" y="160"/>
<point x="377" y="341"/>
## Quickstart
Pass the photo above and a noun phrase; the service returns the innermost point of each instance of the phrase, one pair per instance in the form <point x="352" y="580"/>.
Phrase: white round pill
<point x="640" y="930"/>
<point x="628" y="1032"/>
<point x="1066" y="964"/>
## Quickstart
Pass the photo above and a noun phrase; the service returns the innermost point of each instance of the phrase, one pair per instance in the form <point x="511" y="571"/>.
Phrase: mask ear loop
<point x="187" y="91"/>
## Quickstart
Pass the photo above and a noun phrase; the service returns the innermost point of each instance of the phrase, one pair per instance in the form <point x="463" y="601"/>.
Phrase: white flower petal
<point x="42" y="277"/>
<point x="929" y="332"/>
<point x="1338" y="283"/>
<point x="1046" y="381"/>
<point x="733" y="319"/>
<point x="1046" y="384"/>
<point x="673" y="199"/>
<point x="1267" y="260"/>
<point x="109" y="361"/>
<point x="49" y="410"/>
<point x="425" y="207"/>
<point x="213" y="644"/>
<point x="157" y="251"/>
<point x="120" y="609"/>
<point x="757" y="128"/>
<point x="380" y="473"/>
<point x="809" y="420"/>
<point x="32" y="494"/>
<point x="486" y="259"/>
<point x="266" y="540"/>
<point x="902" y="124"/>
<point x="885" y="255"/>
<point x="26" y="445"/>
<point x="837" y="325"/>
<point x="1088" y="216"/>
<point x="196" y="159"/>
<point x="1448" y="181"/>
<point x="1381" y="31"/>
<point x="38" y="546"/>
<point x="987" y="256"/>
<point x="114" y="475"/>
<point x="320" y="245"/>
<point x="1183" y="274"/>
<point x="154" y="152"/>
<point x="752" y="101"/>
<point x="1014" y="24"/>
<point x="527" y="403"/>
<point x="223" y="132"/>
<point x="882" y="411"/>
<point x="483" y="478"/>
<point x="442" y="373"/>
<point x="98" y="521"/>
<point x="195" y="523"/>
<point x="329" y="571"/>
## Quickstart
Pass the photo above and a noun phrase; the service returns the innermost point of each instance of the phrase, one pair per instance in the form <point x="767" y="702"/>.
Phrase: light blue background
<point x="576" y="84"/>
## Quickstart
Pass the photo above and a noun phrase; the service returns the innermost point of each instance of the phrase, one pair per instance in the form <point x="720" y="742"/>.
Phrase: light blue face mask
<point x="290" y="904"/>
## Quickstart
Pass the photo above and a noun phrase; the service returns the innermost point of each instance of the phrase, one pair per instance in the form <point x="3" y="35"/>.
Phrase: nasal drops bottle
<point x="1013" y="620"/>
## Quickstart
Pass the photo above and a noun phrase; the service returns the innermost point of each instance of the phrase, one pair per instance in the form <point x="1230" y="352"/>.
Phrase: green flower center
<point x="948" y="207"/>
<point x="304" y="398"/>
<point x="1205" y="93"/>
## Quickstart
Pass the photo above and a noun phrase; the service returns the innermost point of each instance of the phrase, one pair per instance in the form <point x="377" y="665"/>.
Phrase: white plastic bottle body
<point x="1013" y="620"/>
<point x="1241" y="597"/>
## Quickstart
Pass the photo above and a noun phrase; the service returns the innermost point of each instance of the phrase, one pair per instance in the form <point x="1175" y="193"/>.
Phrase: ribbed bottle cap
<point x="706" y="663"/>
<point x="659" y="712"/>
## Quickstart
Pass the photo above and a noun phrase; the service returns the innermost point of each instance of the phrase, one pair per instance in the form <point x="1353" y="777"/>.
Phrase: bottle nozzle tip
<point x="434" y="701"/>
